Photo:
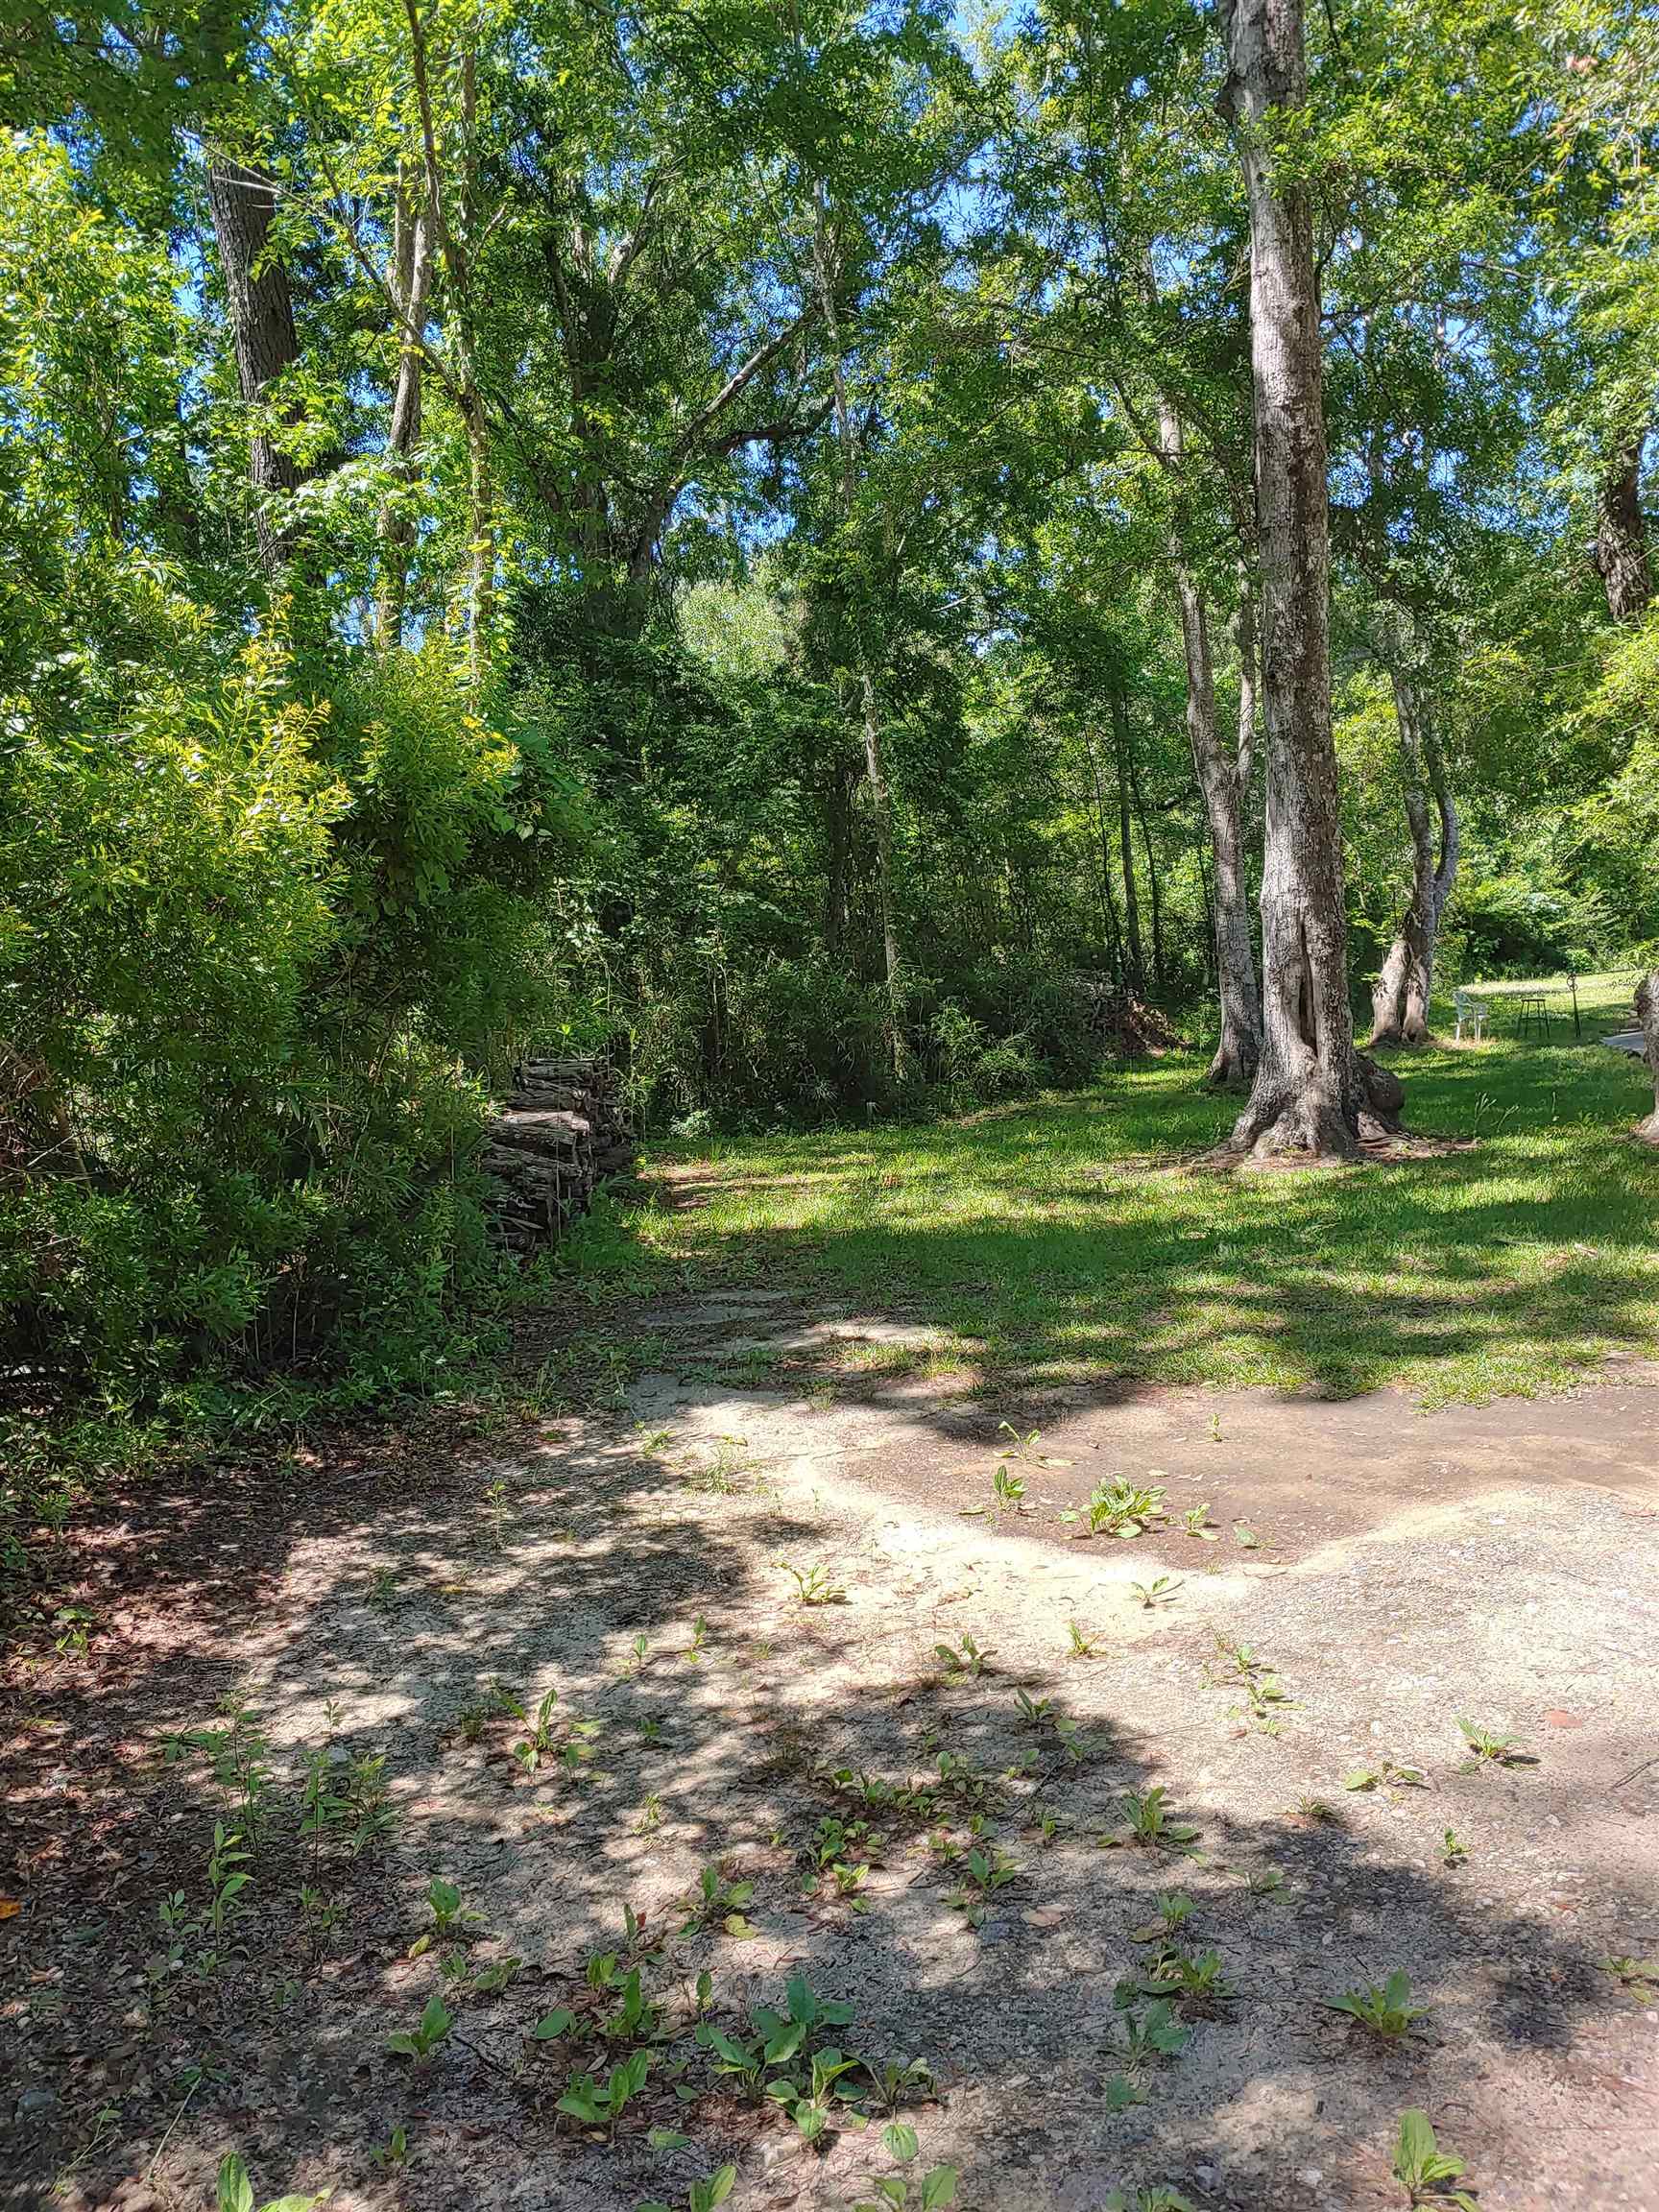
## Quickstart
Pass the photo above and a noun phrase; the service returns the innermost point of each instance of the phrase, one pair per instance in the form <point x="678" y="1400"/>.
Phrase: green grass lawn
<point x="1064" y="1239"/>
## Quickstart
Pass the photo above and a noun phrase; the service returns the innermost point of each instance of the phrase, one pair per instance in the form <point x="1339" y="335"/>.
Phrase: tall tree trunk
<point x="870" y="717"/>
<point x="1108" y="899"/>
<point x="838" y="841"/>
<point x="1131" y="900"/>
<point x="1154" y="891"/>
<point x="1400" y="997"/>
<point x="453" y="243"/>
<point x="1222" y="781"/>
<point x="409" y="285"/>
<point x="1648" y="1014"/>
<point x="1310" y="1083"/>
<point x="1621" y="538"/>
<point x="243" y="202"/>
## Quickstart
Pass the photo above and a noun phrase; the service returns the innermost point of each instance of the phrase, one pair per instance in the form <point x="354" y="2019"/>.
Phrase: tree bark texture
<point x="1621" y="539"/>
<point x="1648" y="1014"/>
<point x="243" y="202"/>
<point x="1310" y="1086"/>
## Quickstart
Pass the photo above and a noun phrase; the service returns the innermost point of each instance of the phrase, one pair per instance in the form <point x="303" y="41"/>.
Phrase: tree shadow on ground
<point x="717" y="1749"/>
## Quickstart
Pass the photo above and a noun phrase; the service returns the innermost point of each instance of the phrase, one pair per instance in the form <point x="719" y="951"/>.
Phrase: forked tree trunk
<point x="243" y="202"/>
<point x="1621" y="538"/>
<point x="1400" y="997"/>
<point x="1648" y="1014"/>
<point x="1310" y="1086"/>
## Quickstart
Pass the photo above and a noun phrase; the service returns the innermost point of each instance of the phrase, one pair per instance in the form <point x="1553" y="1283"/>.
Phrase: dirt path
<point x="1382" y="1570"/>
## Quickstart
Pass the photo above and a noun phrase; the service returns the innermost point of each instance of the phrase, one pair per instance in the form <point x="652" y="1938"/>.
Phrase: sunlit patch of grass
<point x="1066" y="1240"/>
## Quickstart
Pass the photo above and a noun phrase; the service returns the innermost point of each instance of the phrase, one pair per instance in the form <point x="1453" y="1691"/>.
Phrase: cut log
<point x="561" y="1128"/>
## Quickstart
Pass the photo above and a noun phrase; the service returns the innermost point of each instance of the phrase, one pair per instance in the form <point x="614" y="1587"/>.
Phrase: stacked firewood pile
<point x="561" y="1128"/>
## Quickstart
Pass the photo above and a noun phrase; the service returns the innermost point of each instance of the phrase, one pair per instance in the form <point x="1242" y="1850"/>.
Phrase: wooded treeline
<point x="836" y="557"/>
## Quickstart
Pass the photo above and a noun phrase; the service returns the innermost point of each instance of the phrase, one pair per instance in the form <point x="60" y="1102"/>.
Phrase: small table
<point x="1531" y="1014"/>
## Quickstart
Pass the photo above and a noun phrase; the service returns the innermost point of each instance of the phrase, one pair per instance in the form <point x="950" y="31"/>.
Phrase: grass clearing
<point x="1061" y="1241"/>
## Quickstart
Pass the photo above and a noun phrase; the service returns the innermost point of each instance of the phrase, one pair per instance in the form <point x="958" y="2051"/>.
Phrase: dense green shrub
<point x="259" y="953"/>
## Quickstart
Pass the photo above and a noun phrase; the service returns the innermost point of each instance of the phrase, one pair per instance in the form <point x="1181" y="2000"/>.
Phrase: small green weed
<point x="1423" y="2170"/>
<point x="1384" y="2008"/>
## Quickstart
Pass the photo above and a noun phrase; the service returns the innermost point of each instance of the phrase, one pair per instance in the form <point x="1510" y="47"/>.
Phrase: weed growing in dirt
<point x="1149" y="2201"/>
<point x="1007" y="1496"/>
<point x="533" y="1749"/>
<point x="1162" y="1591"/>
<point x="420" y="2041"/>
<point x="394" y="2152"/>
<point x="1196" y="1521"/>
<point x="448" y="1914"/>
<point x="1146" y="1824"/>
<point x="1490" y="1750"/>
<point x="1082" y="1646"/>
<point x="966" y="1662"/>
<point x="1265" y="1694"/>
<point x="1025" y="1447"/>
<point x="1386" y="1776"/>
<point x="591" y="2105"/>
<point x="1153" y="2035"/>
<point x="986" y="1870"/>
<point x="1198" y="1985"/>
<point x="906" y="2191"/>
<point x="495" y="1506"/>
<point x="236" y="2190"/>
<point x="1453" y="1852"/>
<point x="704" y="2196"/>
<point x="1384" y="2008"/>
<point x="1124" y="1509"/>
<point x="716" y="1897"/>
<point x="1642" y="1975"/>
<point x="814" y="1585"/>
<point x="1423" y="2169"/>
<point x="227" y="1877"/>
<point x="1174" y="1910"/>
